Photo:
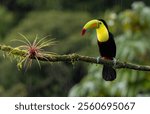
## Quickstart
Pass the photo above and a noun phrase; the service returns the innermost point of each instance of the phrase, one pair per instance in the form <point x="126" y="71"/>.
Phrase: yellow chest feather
<point x="102" y="34"/>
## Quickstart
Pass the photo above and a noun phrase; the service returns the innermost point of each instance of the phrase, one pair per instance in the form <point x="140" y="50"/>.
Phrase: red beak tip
<point x="83" y="31"/>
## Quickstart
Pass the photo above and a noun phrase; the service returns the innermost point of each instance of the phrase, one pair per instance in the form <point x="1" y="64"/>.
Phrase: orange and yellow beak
<point x="90" y="25"/>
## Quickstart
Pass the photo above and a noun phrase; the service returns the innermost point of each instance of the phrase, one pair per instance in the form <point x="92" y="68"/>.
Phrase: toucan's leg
<point x="114" y="61"/>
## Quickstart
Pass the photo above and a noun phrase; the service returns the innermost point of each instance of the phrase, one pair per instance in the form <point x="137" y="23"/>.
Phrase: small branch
<point x="76" y="57"/>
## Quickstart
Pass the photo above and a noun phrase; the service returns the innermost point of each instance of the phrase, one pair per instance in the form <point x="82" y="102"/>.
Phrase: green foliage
<point x="77" y="5"/>
<point x="56" y="24"/>
<point x="6" y="21"/>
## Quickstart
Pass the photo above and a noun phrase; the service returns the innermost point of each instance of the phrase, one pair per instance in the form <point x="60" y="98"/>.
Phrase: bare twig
<point x="76" y="57"/>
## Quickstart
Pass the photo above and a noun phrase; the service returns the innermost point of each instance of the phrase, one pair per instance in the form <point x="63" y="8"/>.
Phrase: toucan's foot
<point x="98" y="59"/>
<point x="114" y="62"/>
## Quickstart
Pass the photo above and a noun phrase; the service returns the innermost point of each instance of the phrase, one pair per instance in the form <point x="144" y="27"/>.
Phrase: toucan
<point x="106" y="44"/>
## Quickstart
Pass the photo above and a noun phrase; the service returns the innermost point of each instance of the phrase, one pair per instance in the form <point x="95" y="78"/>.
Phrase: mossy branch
<point x="76" y="57"/>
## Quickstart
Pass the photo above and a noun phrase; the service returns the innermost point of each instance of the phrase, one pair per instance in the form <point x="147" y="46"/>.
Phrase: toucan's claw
<point x="114" y="62"/>
<point x="98" y="59"/>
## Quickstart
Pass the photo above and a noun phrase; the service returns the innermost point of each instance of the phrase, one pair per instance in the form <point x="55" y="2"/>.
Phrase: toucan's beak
<point x="89" y="25"/>
<point x="83" y="31"/>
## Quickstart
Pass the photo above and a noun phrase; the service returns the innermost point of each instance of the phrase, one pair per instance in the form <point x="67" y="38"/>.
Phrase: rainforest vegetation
<point x="128" y="20"/>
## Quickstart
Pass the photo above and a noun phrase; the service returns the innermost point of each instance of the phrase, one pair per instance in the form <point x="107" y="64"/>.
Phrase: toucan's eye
<point x="99" y="24"/>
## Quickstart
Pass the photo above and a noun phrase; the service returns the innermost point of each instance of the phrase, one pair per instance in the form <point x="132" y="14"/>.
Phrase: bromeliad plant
<point x="34" y="50"/>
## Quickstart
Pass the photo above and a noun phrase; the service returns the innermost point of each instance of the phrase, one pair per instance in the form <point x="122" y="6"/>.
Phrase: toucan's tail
<point x="108" y="73"/>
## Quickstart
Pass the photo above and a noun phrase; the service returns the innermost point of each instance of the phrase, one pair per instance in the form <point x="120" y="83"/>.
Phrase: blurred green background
<point x="128" y="20"/>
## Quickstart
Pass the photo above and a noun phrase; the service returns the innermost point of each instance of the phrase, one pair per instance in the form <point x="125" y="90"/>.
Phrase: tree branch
<point x="76" y="57"/>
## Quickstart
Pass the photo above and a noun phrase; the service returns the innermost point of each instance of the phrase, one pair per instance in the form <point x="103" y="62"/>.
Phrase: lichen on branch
<point x="76" y="58"/>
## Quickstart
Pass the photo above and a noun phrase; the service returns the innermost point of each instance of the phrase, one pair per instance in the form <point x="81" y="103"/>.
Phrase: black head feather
<point x="104" y="22"/>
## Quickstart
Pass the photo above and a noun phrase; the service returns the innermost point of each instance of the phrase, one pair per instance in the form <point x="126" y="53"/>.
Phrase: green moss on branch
<point x="75" y="57"/>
